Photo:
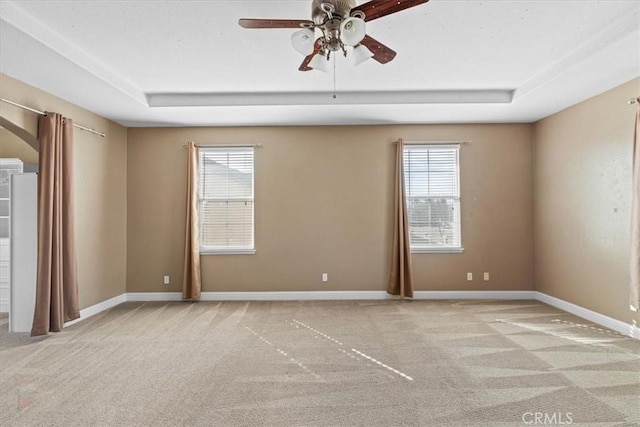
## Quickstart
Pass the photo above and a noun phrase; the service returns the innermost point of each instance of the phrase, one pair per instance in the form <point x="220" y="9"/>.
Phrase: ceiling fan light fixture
<point x="340" y="27"/>
<point x="360" y="54"/>
<point x="302" y="41"/>
<point x="352" y="31"/>
<point x="320" y="63"/>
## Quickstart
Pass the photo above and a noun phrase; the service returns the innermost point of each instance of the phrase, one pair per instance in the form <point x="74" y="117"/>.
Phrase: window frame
<point x="211" y="250"/>
<point x="408" y="145"/>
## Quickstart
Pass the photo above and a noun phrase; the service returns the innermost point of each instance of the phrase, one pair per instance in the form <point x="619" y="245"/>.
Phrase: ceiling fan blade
<point x="305" y="64"/>
<point x="275" y="23"/>
<point x="317" y="46"/>
<point x="375" y="9"/>
<point x="381" y="53"/>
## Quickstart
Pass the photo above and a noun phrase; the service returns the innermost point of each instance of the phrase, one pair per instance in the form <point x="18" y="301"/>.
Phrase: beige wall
<point x="100" y="188"/>
<point x="13" y="147"/>
<point x="582" y="192"/>
<point x="323" y="205"/>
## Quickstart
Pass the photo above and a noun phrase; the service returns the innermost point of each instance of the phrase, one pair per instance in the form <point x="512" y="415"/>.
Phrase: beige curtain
<point x="191" y="281"/>
<point x="57" y="279"/>
<point x="635" y="218"/>
<point x="401" y="275"/>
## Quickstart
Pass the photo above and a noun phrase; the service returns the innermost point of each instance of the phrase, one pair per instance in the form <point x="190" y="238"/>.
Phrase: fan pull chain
<point x="334" y="76"/>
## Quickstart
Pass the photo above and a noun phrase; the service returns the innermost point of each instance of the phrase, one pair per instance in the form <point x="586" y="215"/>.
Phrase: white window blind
<point x="226" y="199"/>
<point x="432" y="183"/>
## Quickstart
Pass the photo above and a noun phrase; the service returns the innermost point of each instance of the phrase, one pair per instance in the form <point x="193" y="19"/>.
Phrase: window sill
<point x="437" y="250"/>
<point x="227" y="251"/>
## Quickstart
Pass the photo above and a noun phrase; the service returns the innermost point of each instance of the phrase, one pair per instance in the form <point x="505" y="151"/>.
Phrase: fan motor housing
<point x="342" y="8"/>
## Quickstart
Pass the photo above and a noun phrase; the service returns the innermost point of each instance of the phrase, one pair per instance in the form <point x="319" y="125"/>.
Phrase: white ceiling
<point x="458" y="61"/>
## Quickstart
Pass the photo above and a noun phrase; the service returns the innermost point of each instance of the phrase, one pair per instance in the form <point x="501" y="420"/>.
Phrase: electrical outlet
<point x="166" y="280"/>
<point x="486" y="276"/>
<point x="325" y="277"/>
<point x="469" y="276"/>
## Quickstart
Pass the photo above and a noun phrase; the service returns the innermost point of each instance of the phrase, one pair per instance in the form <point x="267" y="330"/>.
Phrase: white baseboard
<point x="263" y="296"/>
<point x="332" y="295"/>
<point x="600" y="319"/>
<point x="606" y="321"/>
<point x="98" y="308"/>
<point x="295" y="296"/>
<point x="154" y="296"/>
<point x="513" y="295"/>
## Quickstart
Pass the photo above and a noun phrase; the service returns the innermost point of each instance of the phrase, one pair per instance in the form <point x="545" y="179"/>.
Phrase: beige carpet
<point x="383" y="363"/>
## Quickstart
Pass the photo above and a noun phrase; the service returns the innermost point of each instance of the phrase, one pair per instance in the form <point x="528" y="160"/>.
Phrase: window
<point x="226" y="200"/>
<point x="432" y="184"/>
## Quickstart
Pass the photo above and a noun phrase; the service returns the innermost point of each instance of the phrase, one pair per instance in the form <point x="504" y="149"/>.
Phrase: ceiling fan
<point x="341" y="25"/>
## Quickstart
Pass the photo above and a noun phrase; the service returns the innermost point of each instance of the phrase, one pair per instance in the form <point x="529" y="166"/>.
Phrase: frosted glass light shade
<point x="302" y="41"/>
<point x="360" y="54"/>
<point x="352" y="31"/>
<point x="319" y="62"/>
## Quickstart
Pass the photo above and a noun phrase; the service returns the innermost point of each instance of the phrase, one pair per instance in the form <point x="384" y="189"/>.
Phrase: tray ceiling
<point x="173" y="63"/>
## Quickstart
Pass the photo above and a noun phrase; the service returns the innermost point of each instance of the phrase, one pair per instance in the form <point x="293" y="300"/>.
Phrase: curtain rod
<point x="225" y="145"/>
<point x="634" y="100"/>
<point x="42" y="113"/>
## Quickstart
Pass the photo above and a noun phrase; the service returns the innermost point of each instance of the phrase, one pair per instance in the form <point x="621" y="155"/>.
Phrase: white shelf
<point x="8" y="167"/>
